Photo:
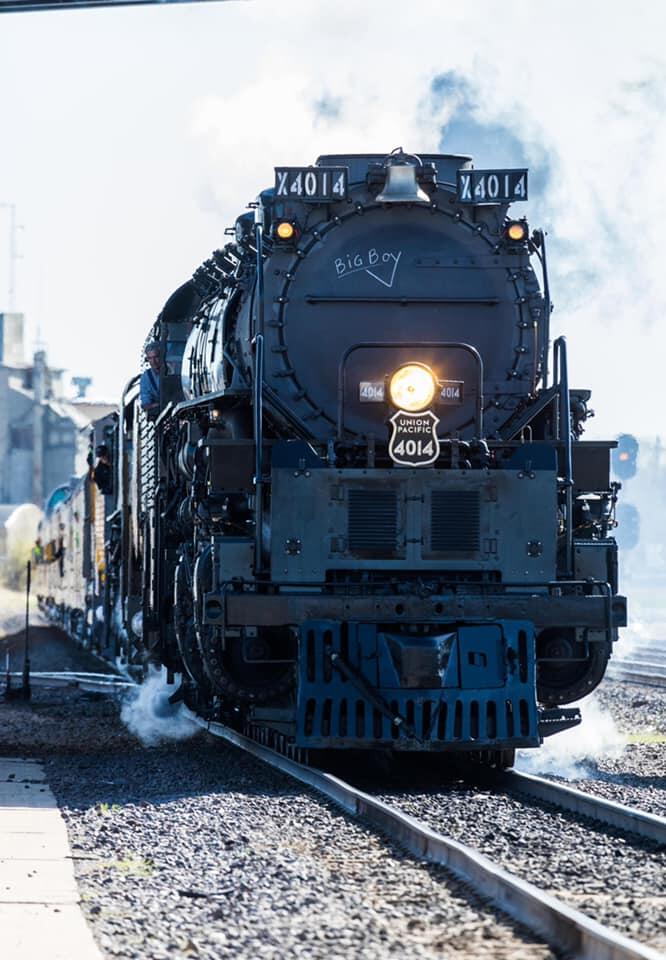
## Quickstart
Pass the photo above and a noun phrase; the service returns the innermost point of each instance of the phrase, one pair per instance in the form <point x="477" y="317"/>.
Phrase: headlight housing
<point x="412" y="387"/>
<point x="285" y="230"/>
<point x="516" y="231"/>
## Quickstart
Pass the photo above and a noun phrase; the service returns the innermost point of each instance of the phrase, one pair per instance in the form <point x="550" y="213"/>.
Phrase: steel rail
<point x="648" y="825"/>
<point x="561" y="926"/>
<point x="89" y="682"/>
<point x="636" y="676"/>
<point x="657" y="657"/>
<point x="642" y="663"/>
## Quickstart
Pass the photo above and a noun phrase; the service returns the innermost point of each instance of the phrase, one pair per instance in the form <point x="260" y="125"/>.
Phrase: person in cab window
<point x="150" y="381"/>
<point x="103" y="470"/>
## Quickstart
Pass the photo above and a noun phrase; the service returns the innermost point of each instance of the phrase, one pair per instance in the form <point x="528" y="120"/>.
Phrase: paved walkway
<point x="40" y="916"/>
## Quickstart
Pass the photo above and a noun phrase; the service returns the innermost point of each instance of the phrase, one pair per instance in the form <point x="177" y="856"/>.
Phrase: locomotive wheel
<point x="224" y="658"/>
<point x="233" y="677"/>
<point x="577" y="675"/>
<point x="184" y="625"/>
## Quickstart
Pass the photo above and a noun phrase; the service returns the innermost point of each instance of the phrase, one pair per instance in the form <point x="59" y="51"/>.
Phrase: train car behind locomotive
<point x="364" y="515"/>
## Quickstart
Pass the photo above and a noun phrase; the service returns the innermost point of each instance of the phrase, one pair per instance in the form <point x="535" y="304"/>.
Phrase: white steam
<point x="148" y="714"/>
<point x="297" y="79"/>
<point x="573" y="753"/>
<point x="599" y="127"/>
<point x="639" y="633"/>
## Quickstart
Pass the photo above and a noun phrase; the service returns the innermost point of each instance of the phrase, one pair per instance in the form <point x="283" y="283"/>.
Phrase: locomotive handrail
<point x="539" y="237"/>
<point x="132" y="382"/>
<point x="164" y="414"/>
<point x="258" y="391"/>
<point x="561" y="373"/>
<point x="123" y="505"/>
<point x="419" y="344"/>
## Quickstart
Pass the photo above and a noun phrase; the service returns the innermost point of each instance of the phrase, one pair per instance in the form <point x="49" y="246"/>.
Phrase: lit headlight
<point x="285" y="230"/>
<point x="412" y="387"/>
<point x="516" y="230"/>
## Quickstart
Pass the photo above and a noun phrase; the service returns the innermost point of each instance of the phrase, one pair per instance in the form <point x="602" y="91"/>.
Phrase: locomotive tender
<point x="364" y="516"/>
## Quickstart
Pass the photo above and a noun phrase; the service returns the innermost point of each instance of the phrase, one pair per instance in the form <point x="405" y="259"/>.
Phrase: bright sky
<point x="130" y="137"/>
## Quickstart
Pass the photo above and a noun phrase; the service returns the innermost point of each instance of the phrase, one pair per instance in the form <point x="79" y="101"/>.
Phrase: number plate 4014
<point x="311" y="184"/>
<point x="414" y="441"/>
<point x="492" y="186"/>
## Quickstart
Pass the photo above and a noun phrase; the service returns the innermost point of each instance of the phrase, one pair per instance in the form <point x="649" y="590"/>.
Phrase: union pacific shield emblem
<point x="414" y="441"/>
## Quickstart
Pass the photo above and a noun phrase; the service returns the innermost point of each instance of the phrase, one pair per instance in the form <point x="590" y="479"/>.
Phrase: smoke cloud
<point x="573" y="753"/>
<point x="588" y="123"/>
<point x="147" y="713"/>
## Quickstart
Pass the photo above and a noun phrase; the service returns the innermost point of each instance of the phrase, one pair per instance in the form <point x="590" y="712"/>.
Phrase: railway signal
<point x="625" y="456"/>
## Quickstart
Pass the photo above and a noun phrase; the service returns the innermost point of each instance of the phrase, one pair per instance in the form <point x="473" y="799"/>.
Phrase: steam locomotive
<point x="363" y="516"/>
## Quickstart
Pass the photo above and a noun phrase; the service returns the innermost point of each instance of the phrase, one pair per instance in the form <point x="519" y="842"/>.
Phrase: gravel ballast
<point x="615" y="878"/>
<point x="193" y="849"/>
<point x="619" y="753"/>
<point x="240" y="862"/>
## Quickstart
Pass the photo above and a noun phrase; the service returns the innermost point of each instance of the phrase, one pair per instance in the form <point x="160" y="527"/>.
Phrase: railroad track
<point x="650" y="826"/>
<point x="556" y="922"/>
<point x="638" y="671"/>
<point x="651" y="652"/>
<point x="88" y="682"/>
<point x="644" y="663"/>
<point x="562" y="926"/>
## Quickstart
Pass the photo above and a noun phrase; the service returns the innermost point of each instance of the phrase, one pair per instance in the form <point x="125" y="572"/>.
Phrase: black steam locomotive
<point x="362" y="515"/>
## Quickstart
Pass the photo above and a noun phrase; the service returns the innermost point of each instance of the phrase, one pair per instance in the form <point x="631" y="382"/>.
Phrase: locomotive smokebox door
<point x="414" y="441"/>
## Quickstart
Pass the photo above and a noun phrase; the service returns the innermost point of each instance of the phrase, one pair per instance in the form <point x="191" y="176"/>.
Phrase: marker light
<point x="412" y="387"/>
<point x="516" y="231"/>
<point x="285" y="230"/>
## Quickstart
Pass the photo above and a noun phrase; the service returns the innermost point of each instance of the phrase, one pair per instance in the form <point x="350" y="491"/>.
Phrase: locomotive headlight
<point x="412" y="387"/>
<point x="516" y="230"/>
<point x="285" y="230"/>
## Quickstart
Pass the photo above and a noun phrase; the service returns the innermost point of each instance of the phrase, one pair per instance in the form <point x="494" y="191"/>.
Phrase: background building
<point x="43" y="440"/>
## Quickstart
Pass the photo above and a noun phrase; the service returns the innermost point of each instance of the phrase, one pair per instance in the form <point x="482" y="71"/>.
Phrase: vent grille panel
<point x="372" y="523"/>
<point x="455" y="521"/>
